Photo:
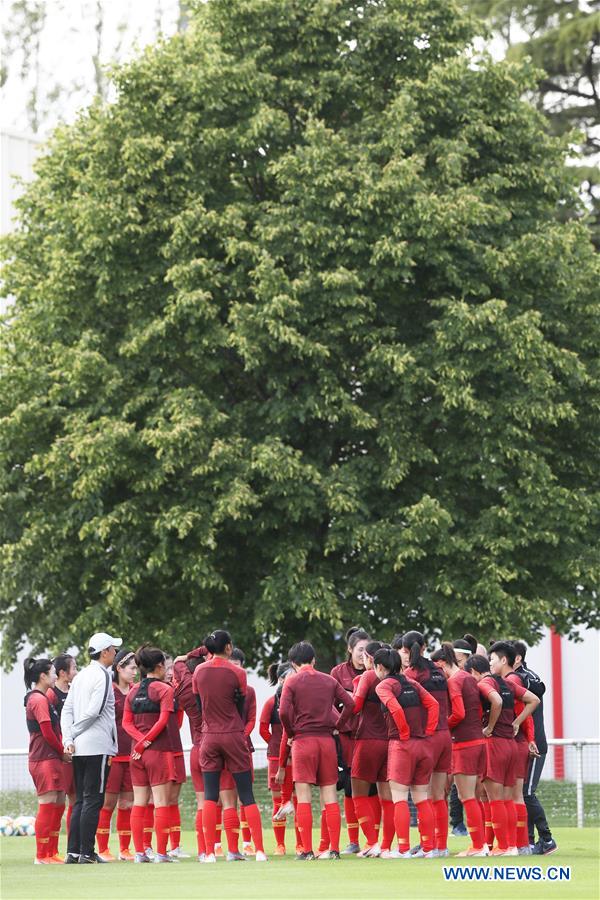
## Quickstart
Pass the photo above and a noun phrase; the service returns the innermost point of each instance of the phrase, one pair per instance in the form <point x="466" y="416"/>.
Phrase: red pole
<point x="557" y="702"/>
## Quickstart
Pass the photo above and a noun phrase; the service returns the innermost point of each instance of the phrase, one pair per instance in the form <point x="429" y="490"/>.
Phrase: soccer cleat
<point x="414" y="850"/>
<point x="149" y="853"/>
<point x="260" y="856"/>
<point x="141" y="858"/>
<point x="248" y="849"/>
<point x="543" y="848"/>
<point x="425" y="854"/>
<point x="285" y="810"/>
<point x="305" y="857"/>
<point x="58" y="859"/>
<point x="329" y="854"/>
<point x="126" y="856"/>
<point x="163" y="858"/>
<point x="524" y="851"/>
<point x="512" y="851"/>
<point x="47" y="861"/>
<point x="218" y="850"/>
<point x="370" y="852"/>
<point x="90" y="859"/>
<point x="497" y="851"/>
<point x="443" y="853"/>
<point x="107" y="856"/>
<point x="235" y="857"/>
<point x="209" y="858"/>
<point x="397" y="854"/>
<point x="460" y="830"/>
<point x="71" y="859"/>
<point x="178" y="853"/>
<point x="474" y="851"/>
<point x="350" y="849"/>
<point x="279" y="850"/>
<point x="201" y="857"/>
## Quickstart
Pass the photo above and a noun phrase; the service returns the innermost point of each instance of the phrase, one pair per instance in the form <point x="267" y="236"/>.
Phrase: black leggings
<point x="243" y="783"/>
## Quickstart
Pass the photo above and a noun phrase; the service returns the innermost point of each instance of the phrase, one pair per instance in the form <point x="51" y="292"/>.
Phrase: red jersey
<point x="249" y="715"/>
<point x="344" y="674"/>
<point x="184" y="694"/>
<point x="270" y="727"/>
<point x="465" y="719"/>
<point x="307" y="703"/>
<point x="57" y="698"/>
<point x="509" y="691"/>
<point x="526" y="731"/>
<point x="221" y="688"/>
<point x="433" y="680"/>
<point x="405" y="701"/>
<point x="39" y="712"/>
<point x="372" y="725"/>
<point x="123" y="739"/>
<point x="139" y="718"/>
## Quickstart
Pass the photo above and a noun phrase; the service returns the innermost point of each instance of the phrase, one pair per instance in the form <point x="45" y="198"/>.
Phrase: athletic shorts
<point x="469" y="758"/>
<point x="314" y="760"/>
<point x="273" y="783"/>
<point x="369" y="761"/>
<point x="226" y="750"/>
<point x="68" y="779"/>
<point x="119" y="778"/>
<point x="500" y="763"/>
<point x="48" y="775"/>
<point x="347" y="742"/>
<point x="195" y="770"/>
<point x="440" y="744"/>
<point x="410" y="762"/>
<point x="157" y="767"/>
<point x="521" y="759"/>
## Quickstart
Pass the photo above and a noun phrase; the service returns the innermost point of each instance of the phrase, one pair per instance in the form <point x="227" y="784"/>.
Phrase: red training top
<point x="43" y="726"/>
<point x="151" y="726"/>
<point x="123" y="739"/>
<point x="526" y="731"/>
<point x="270" y="727"/>
<point x="434" y="681"/>
<point x="219" y="686"/>
<point x="404" y="701"/>
<point x="184" y="694"/>
<point x="307" y="702"/>
<point x="503" y="727"/>
<point x="465" y="719"/>
<point x="344" y="674"/>
<point x="372" y="725"/>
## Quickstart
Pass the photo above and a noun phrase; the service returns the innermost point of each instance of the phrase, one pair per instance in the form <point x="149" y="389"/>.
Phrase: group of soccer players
<point x="387" y="726"/>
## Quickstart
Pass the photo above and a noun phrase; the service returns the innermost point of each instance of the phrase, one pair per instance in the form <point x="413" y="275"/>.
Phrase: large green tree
<point x="298" y="341"/>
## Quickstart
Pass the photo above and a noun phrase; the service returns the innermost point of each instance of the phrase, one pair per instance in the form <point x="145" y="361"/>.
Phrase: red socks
<point x="474" y="822"/>
<point x="124" y="828"/>
<point x="200" y="832"/>
<point x="59" y="809"/>
<point x="231" y="826"/>
<point x="426" y="824"/>
<point x="246" y="836"/>
<point x="137" y="821"/>
<point x="43" y="824"/>
<point x="255" y="826"/>
<point x="304" y="820"/>
<point x="324" y="841"/>
<point x="522" y="831"/>
<point x="334" y="825"/>
<point x="148" y="824"/>
<point x="364" y="815"/>
<point x="389" y="829"/>
<point x="296" y="829"/>
<point x="351" y="823"/>
<point x="375" y="812"/>
<point x="278" y="827"/>
<point x="219" y="824"/>
<point x="209" y="821"/>
<point x="511" y="823"/>
<point x="175" y="820"/>
<point x="162" y="826"/>
<point x="103" y="829"/>
<point x="440" y="819"/>
<point x="402" y="824"/>
<point x="487" y="823"/>
<point x="499" y="823"/>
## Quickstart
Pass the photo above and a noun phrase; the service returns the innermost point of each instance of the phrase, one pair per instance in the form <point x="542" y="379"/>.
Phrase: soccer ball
<point x="7" y="826"/>
<point x="24" y="826"/>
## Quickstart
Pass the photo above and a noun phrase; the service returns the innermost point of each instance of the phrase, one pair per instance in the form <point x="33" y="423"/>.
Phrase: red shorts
<point x="196" y="771"/>
<point x="369" y="762"/>
<point x="500" y="763"/>
<point x="410" y="762"/>
<point x="157" y="767"/>
<point x="273" y="784"/>
<point x="440" y="744"/>
<point x="227" y="750"/>
<point x="521" y="759"/>
<point x="48" y="775"/>
<point x="469" y="758"/>
<point x="347" y="743"/>
<point x="68" y="779"/>
<point x="119" y="778"/>
<point x="314" y="759"/>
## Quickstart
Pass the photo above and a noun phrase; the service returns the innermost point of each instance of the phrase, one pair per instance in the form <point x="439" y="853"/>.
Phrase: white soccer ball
<point x="7" y="826"/>
<point x="24" y="826"/>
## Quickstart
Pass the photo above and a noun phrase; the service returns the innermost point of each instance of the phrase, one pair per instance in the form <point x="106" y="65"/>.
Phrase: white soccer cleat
<point x="178" y="853"/>
<point x="209" y="858"/>
<point x="260" y="856"/>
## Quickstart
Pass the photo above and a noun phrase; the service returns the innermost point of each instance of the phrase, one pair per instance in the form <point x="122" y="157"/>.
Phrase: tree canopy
<point x="298" y="340"/>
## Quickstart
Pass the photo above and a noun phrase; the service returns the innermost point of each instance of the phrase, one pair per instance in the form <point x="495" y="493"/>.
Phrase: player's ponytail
<point x="147" y="658"/>
<point x="445" y="654"/>
<point x="277" y="671"/>
<point x="216" y="641"/>
<point x="389" y="659"/>
<point x="414" y="642"/>
<point x="33" y="669"/>
<point x="471" y="641"/>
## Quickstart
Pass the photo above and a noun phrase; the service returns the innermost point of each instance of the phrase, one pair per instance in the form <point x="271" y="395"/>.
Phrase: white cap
<point x="102" y="641"/>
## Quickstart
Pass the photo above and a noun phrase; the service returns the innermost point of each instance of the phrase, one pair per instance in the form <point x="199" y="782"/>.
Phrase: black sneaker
<point x="71" y="859"/>
<point x="543" y="848"/>
<point x="91" y="859"/>
<point x="304" y="857"/>
<point x="460" y="830"/>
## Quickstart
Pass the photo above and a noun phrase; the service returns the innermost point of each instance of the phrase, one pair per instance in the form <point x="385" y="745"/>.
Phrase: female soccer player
<point x="307" y="714"/>
<point x="433" y="680"/>
<point x="369" y="760"/>
<point x="409" y="757"/>
<point x="221" y="689"/>
<point x="271" y="731"/>
<point x="66" y="670"/>
<point x="119" y="790"/>
<point x="345" y="673"/>
<point x="468" y="743"/>
<point x="151" y="721"/>
<point x="183" y="670"/>
<point x="238" y="658"/>
<point x="500" y="725"/>
<point x="46" y="756"/>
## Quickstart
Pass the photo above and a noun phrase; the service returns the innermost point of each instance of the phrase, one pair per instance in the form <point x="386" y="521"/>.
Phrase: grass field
<point x="284" y="878"/>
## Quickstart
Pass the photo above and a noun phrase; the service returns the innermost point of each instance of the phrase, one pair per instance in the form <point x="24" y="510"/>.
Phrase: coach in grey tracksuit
<point x="89" y="732"/>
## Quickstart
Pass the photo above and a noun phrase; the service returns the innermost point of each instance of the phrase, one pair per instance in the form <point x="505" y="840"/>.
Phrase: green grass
<point x="284" y="878"/>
